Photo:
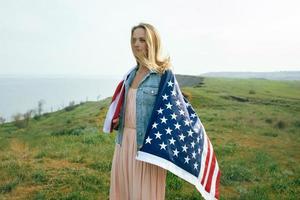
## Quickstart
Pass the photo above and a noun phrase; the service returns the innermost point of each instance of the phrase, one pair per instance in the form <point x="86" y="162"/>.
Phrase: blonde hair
<point x="153" y="60"/>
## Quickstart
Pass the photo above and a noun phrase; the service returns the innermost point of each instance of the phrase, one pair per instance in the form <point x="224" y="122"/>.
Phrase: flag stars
<point x="170" y="84"/>
<point x="184" y="148"/>
<point x="165" y="97"/>
<point x="178" y="102"/>
<point x="174" y="116"/>
<point x="199" y="150"/>
<point x="154" y="125"/>
<point x="194" y="155"/>
<point x="193" y="115"/>
<point x="196" y="166"/>
<point x="181" y="137"/>
<point x="181" y="112"/>
<point x="190" y="133"/>
<point x="198" y="139"/>
<point x="175" y="152"/>
<point x="193" y="144"/>
<point x="157" y="135"/>
<point x="187" y="104"/>
<point x="160" y="111"/>
<point x="162" y="146"/>
<point x="174" y="93"/>
<point x="177" y="126"/>
<point x="168" y="130"/>
<point x="163" y="120"/>
<point x="172" y="141"/>
<point x="148" y="140"/>
<point x="186" y="122"/>
<point x="169" y="106"/>
<point x="186" y="159"/>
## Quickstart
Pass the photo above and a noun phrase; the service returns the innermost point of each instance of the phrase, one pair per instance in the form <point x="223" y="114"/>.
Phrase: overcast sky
<point x="92" y="37"/>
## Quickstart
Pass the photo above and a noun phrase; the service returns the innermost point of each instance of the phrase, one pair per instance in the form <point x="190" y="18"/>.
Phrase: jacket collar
<point x="151" y="70"/>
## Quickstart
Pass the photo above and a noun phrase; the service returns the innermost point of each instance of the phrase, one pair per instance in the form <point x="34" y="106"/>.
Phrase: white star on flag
<point x="170" y="84"/>
<point x="148" y="140"/>
<point x="177" y="126"/>
<point x="176" y="152"/>
<point x="169" y="106"/>
<point x="174" y="116"/>
<point x="154" y="125"/>
<point x="163" y="120"/>
<point x="187" y="159"/>
<point x="168" y="130"/>
<point x="160" y="111"/>
<point x="181" y="137"/>
<point x="172" y="141"/>
<point x="165" y="97"/>
<point x="184" y="148"/>
<point x="163" y="146"/>
<point x="158" y="135"/>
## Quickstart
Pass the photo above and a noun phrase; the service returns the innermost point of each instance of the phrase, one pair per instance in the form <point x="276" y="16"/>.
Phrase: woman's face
<point x="138" y="41"/>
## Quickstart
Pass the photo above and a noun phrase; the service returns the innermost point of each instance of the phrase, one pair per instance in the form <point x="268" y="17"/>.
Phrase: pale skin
<point x="139" y="46"/>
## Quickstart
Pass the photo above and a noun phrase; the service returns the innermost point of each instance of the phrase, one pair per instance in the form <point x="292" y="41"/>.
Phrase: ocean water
<point x="20" y="94"/>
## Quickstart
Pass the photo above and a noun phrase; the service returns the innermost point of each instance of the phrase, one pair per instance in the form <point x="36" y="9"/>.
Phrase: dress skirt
<point x="132" y="179"/>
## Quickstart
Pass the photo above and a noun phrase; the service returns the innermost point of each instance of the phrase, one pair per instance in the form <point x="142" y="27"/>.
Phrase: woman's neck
<point x="142" y="69"/>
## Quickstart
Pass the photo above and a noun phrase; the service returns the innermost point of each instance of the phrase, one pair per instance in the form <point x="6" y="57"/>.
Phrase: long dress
<point x="132" y="179"/>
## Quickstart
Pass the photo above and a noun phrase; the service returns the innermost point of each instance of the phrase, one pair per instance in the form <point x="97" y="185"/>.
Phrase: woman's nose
<point x="137" y="43"/>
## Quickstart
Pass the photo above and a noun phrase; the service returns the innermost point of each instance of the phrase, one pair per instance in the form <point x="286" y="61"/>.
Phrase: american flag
<point x="176" y="140"/>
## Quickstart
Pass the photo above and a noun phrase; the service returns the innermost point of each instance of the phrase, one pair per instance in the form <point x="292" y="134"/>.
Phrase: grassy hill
<point x="254" y="126"/>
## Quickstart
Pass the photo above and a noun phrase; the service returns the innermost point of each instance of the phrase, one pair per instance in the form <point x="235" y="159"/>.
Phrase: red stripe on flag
<point x="117" y="91"/>
<point x="211" y="173"/>
<point x="118" y="108"/>
<point x="206" y="162"/>
<point x="217" y="195"/>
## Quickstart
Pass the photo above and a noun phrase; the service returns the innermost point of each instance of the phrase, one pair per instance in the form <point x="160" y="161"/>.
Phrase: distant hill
<point x="189" y="80"/>
<point x="281" y="75"/>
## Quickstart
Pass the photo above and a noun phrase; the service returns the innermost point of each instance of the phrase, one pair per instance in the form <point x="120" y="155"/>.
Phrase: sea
<point x="18" y="94"/>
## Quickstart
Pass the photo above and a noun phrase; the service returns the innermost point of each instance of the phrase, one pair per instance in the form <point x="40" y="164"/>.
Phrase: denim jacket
<point x="145" y="98"/>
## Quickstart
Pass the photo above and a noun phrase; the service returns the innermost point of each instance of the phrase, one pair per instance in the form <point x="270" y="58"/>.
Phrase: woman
<point x="132" y="179"/>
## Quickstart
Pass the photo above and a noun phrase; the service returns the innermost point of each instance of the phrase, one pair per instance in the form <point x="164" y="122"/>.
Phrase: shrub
<point x="2" y="120"/>
<point x="18" y="121"/>
<point x="280" y="124"/>
<point x="252" y="92"/>
<point x="27" y="116"/>
<point x="72" y="131"/>
<point x="269" y="120"/>
<point x="8" y="187"/>
<point x="71" y="106"/>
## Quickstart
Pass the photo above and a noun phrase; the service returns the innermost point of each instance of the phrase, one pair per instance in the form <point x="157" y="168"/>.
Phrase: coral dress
<point x="132" y="179"/>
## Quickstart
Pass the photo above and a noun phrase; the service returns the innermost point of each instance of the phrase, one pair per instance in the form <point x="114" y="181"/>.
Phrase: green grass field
<point x="253" y="124"/>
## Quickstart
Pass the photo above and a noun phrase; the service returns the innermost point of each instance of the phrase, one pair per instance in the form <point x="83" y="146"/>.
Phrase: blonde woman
<point x="130" y="178"/>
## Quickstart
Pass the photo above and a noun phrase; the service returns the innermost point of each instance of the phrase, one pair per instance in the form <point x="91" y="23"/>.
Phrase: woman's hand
<point x="116" y="123"/>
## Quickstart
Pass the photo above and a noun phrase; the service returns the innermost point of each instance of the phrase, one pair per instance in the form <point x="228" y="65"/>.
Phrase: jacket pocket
<point x="150" y="90"/>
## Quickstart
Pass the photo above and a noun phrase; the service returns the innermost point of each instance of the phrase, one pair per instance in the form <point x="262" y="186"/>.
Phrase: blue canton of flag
<point x="176" y="140"/>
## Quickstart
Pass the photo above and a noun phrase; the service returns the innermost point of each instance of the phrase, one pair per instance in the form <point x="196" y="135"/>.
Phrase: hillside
<point x="254" y="126"/>
<point x="281" y="75"/>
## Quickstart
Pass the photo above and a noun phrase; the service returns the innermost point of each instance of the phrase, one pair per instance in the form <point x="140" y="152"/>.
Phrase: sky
<point x="92" y="37"/>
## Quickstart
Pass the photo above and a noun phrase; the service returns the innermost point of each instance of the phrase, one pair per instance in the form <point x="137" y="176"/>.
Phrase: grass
<point x="253" y="124"/>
